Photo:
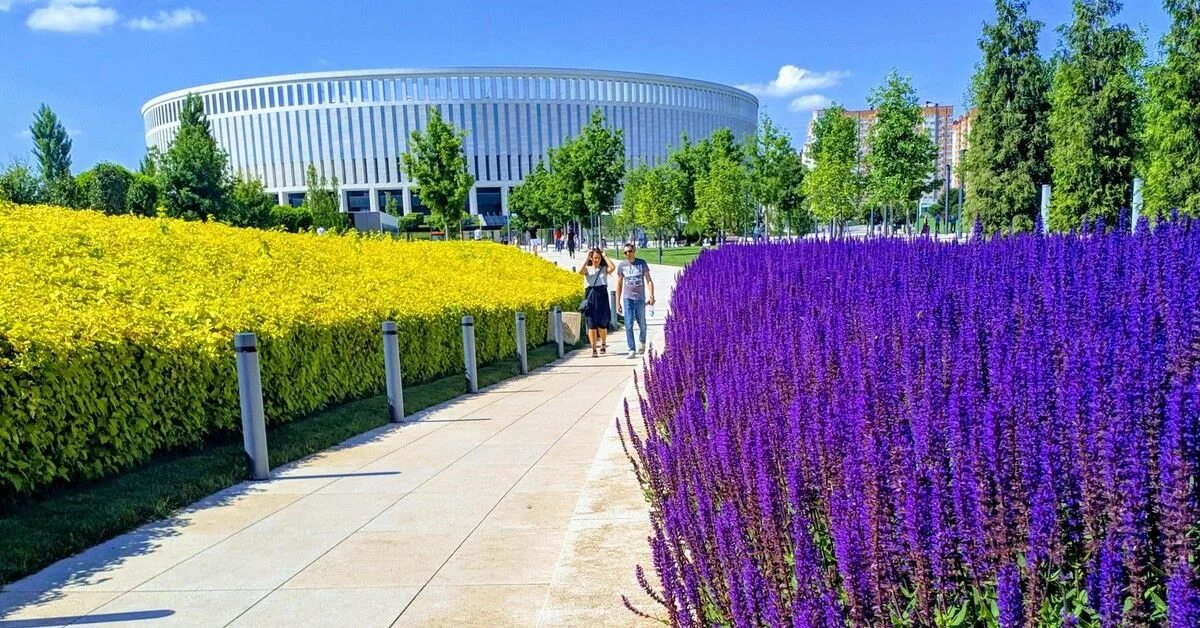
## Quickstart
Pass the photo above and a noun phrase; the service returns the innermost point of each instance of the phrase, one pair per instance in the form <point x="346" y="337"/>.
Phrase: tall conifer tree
<point x="1095" y="116"/>
<point x="1173" y="116"/>
<point x="1006" y="162"/>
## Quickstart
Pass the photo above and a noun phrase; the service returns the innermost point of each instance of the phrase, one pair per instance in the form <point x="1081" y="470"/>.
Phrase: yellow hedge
<point x="116" y="332"/>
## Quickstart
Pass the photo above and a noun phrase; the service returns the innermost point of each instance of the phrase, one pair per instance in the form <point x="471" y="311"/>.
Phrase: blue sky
<point x="95" y="62"/>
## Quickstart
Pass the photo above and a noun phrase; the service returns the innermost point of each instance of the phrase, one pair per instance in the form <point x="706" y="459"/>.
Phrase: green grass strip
<point x="40" y="532"/>
<point x="677" y="256"/>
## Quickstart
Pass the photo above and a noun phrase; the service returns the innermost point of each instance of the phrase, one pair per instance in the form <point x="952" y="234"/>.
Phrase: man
<point x="633" y="279"/>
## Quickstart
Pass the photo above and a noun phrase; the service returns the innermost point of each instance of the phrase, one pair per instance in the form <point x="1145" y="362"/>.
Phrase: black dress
<point x="598" y="314"/>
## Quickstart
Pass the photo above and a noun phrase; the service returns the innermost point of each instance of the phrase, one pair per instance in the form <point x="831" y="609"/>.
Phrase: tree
<point x="721" y="144"/>
<point x="106" y="187"/>
<point x="294" y="219"/>
<point x="723" y="202"/>
<point x="438" y="168"/>
<point x="902" y="157"/>
<point x="142" y="196"/>
<point x="193" y="179"/>
<point x="1173" y="116"/>
<point x="321" y="202"/>
<point x="774" y="174"/>
<point x="1007" y="161"/>
<point x="686" y="160"/>
<point x="652" y="200"/>
<point x="533" y="200"/>
<point x="792" y="214"/>
<point x="149" y="163"/>
<point x="1095" y="117"/>
<point x="411" y="222"/>
<point x="588" y="169"/>
<point x="19" y="184"/>
<point x="65" y="192"/>
<point x="51" y="145"/>
<point x="250" y="205"/>
<point x="834" y="187"/>
<point x="391" y="206"/>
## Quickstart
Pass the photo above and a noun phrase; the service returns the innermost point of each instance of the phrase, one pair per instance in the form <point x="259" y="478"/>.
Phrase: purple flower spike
<point x="1008" y="597"/>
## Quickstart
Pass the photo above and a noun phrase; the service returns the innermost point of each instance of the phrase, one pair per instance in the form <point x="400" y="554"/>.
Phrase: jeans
<point x="635" y="310"/>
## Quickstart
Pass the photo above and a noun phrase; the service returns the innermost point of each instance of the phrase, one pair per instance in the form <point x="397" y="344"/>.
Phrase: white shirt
<point x="595" y="277"/>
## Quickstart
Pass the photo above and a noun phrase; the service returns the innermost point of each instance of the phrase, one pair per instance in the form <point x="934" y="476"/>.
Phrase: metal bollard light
<point x="391" y="372"/>
<point x="522" y="344"/>
<point x="468" y="328"/>
<point x="254" y="425"/>
<point x="558" y="330"/>
<point x="612" y="308"/>
<point x="1045" y="208"/>
<point x="1136" y="206"/>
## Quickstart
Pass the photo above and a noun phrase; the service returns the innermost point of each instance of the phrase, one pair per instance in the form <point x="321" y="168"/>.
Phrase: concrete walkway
<point x="506" y="508"/>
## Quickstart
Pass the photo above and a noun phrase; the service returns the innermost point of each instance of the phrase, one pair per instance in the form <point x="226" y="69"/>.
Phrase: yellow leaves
<point x="66" y="269"/>
<point x="119" y="328"/>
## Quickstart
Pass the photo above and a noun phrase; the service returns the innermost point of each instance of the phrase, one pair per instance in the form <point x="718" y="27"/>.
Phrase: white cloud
<point x="6" y="5"/>
<point x="168" y="20"/>
<point x="24" y="134"/>
<point x="72" y="16"/>
<point x="809" y="102"/>
<point x="792" y="80"/>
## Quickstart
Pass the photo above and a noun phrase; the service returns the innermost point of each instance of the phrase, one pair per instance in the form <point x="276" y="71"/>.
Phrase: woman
<point x="595" y="273"/>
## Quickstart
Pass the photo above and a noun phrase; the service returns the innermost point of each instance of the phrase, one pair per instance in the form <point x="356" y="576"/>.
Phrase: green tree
<point x="723" y="202"/>
<point x="834" y="187"/>
<point x="321" y="202"/>
<point x="149" y="163"/>
<point x="721" y="144"/>
<point x="686" y="160"/>
<point x="1007" y="161"/>
<point x="19" y="184"/>
<point x="533" y="201"/>
<point x="193" y="178"/>
<point x="66" y="192"/>
<point x="792" y="215"/>
<point x="901" y="157"/>
<point x="142" y="196"/>
<point x="437" y="166"/>
<point x="250" y="205"/>
<point x="588" y="169"/>
<point x="774" y="174"/>
<point x="410" y="222"/>
<point x="51" y="146"/>
<point x="391" y="206"/>
<point x="652" y="201"/>
<point x="1173" y="116"/>
<point x="106" y="187"/>
<point x="1095" y="116"/>
<point x="294" y="219"/>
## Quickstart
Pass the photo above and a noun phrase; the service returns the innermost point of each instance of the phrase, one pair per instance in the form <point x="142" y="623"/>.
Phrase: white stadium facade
<point x="355" y="125"/>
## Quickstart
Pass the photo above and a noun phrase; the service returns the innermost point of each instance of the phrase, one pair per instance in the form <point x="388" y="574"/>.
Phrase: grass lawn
<point x="54" y="526"/>
<point x="678" y="256"/>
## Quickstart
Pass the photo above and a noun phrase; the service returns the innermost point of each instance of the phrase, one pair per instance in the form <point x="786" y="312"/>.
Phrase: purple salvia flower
<point x="1008" y="596"/>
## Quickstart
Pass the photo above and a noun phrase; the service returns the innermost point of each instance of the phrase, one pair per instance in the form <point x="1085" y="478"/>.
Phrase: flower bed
<point x="116" y="332"/>
<point x="919" y="434"/>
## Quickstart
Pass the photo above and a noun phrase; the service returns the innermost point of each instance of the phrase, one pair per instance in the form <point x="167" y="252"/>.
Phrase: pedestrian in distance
<point x="633" y="281"/>
<point x="598" y="315"/>
<point x="571" y="242"/>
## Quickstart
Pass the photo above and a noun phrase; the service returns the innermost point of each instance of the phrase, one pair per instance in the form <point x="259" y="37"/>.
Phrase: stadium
<point x="355" y="125"/>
